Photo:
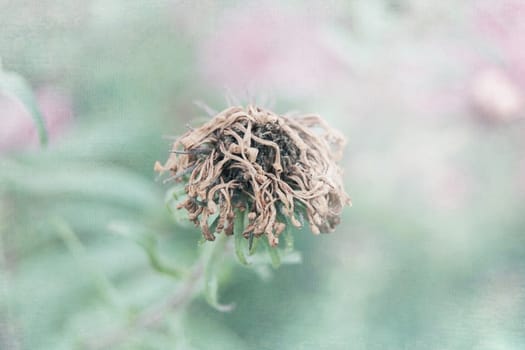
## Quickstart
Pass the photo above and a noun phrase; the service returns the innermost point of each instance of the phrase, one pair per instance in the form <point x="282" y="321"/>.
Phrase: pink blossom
<point x="496" y="95"/>
<point x="503" y="24"/>
<point x="484" y="75"/>
<point x="498" y="85"/>
<point x="269" y="50"/>
<point x="18" y="131"/>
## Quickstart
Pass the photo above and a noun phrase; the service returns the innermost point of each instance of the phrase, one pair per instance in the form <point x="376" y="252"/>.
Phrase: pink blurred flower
<point x="496" y="96"/>
<point x="503" y="24"/>
<point x="485" y="74"/>
<point x="498" y="85"/>
<point x="269" y="50"/>
<point x="18" y="132"/>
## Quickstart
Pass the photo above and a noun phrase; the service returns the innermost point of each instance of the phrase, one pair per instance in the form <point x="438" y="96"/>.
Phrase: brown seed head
<point x="274" y="167"/>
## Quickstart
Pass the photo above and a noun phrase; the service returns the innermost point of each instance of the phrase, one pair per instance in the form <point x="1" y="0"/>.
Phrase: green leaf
<point x="288" y="238"/>
<point x="286" y="258"/>
<point x="254" y="244"/>
<point x="238" y="229"/>
<point x="212" y="294"/>
<point x="274" y="254"/>
<point x="150" y="247"/>
<point x="174" y="197"/>
<point x="16" y="87"/>
<point x="211" y="254"/>
<point x="86" y="180"/>
<point x="149" y="243"/>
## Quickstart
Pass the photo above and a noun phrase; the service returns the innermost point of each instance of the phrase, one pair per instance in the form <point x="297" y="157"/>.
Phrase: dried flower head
<point x="250" y="160"/>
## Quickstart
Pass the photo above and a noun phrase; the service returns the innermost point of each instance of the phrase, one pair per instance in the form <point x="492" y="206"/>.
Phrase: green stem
<point x="238" y="229"/>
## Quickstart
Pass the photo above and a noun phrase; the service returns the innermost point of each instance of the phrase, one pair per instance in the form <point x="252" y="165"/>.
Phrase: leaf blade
<point x="238" y="229"/>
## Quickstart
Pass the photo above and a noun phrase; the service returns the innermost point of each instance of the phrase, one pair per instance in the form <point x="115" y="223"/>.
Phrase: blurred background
<point x="430" y="94"/>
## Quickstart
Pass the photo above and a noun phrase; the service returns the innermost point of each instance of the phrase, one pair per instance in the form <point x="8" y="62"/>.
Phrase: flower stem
<point x="238" y="229"/>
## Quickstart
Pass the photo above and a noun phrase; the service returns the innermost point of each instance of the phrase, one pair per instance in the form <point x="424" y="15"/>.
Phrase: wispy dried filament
<point x="273" y="167"/>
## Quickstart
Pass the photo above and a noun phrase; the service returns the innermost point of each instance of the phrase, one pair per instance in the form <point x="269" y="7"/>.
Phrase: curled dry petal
<point x="271" y="166"/>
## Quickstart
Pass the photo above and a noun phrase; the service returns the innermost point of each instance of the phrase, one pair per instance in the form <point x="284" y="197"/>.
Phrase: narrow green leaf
<point x="211" y="254"/>
<point x="212" y="295"/>
<point x="213" y="221"/>
<point x="274" y="255"/>
<point x="254" y="244"/>
<point x="16" y="87"/>
<point x="174" y="197"/>
<point x="150" y="247"/>
<point x="81" y="180"/>
<point x="286" y="258"/>
<point x="148" y="242"/>
<point x="238" y="229"/>
<point x="288" y="238"/>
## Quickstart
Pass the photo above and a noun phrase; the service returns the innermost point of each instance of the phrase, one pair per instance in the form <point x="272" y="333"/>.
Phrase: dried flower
<point x="274" y="168"/>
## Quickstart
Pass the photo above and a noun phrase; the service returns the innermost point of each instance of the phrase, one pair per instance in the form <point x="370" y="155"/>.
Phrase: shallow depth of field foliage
<point x="430" y="95"/>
